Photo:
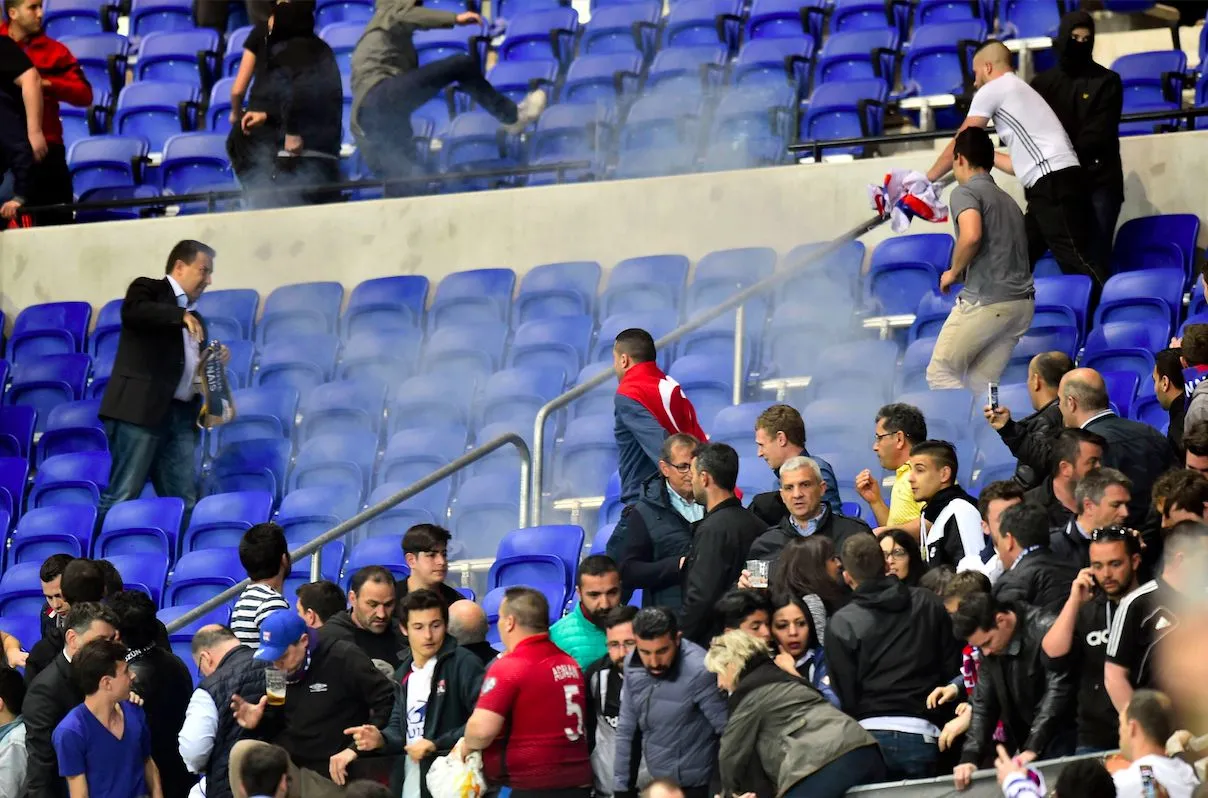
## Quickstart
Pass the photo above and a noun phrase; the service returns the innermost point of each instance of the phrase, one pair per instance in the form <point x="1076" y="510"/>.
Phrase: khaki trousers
<point x="976" y="343"/>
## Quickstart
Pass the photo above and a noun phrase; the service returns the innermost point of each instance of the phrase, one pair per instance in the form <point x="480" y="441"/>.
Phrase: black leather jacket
<point x="1036" y="705"/>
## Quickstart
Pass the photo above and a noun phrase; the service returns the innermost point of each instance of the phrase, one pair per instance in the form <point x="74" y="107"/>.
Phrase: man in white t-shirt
<point x="1059" y="215"/>
<point x="1145" y="726"/>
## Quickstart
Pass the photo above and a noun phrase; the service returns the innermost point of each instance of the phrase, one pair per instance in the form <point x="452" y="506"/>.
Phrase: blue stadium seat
<point x="470" y="352"/>
<point x="905" y="269"/>
<point x="106" y="161"/>
<point x="649" y="283"/>
<point x="628" y="28"/>
<point x="697" y="22"/>
<point x="302" y="362"/>
<point x="427" y="401"/>
<point x="307" y="513"/>
<point x="947" y="412"/>
<point x="149" y="16"/>
<point x="155" y="110"/>
<point x="229" y="313"/>
<point x="346" y="461"/>
<point x="102" y="56"/>
<point x="222" y="518"/>
<point x="187" y="56"/>
<point x="343" y="407"/>
<point x="1035" y="342"/>
<point x="931" y="314"/>
<point x="386" y="304"/>
<point x="686" y="72"/>
<point x="763" y="115"/>
<point x="253" y="465"/>
<point x="599" y="541"/>
<point x="64" y="18"/>
<point x="70" y="427"/>
<point x="541" y="35"/>
<point x="21" y="591"/>
<point x="478" y="295"/>
<point x="841" y="265"/>
<point x="1026" y="19"/>
<point x="328" y="12"/>
<point x="427" y="507"/>
<point x="722" y="273"/>
<point x="218" y="109"/>
<point x="194" y="159"/>
<point x="105" y="335"/>
<point x="610" y="510"/>
<point x="601" y="398"/>
<point x="1149" y="411"/>
<point x="388" y="357"/>
<point x="145" y="572"/>
<point x="856" y="368"/>
<point x="505" y="459"/>
<point x="52" y="328"/>
<point x="548" y="553"/>
<point x="657" y="323"/>
<point x="558" y="289"/>
<point x="931" y="11"/>
<point x="233" y="52"/>
<point x="860" y="15"/>
<point x="48" y="381"/>
<point x="1122" y="389"/>
<point x="14" y="472"/>
<point x="16" y="431"/>
<point x="27" y="629"/>
<point x="857" y="55"/>
<point x="486" y="509"/>
<point x="201" y="575"/>
<point x="434" y="45"/>
<point x="938" y="57"/>
<point x="517" y="393"/>
<point x="1151" y="81"/>
<point x="1157" y="242"/>
<point x="706" y="381"/>
<point x="70" y="479"/>
<point x="383" y="550"/>
<point x="783" y="354"/>
<point x="264" y="412"/>
<point x="559" y="344"/>
<point x="912" y="374"/>
<point x="181" y="640"/>
<point x="1151" y="296"/>
<point x="342" y="37"/>
<point x="412" y="454"/>
<point x="141" y="526"/>
<point x="735" y="425"/>
<point x="586" y="456"/>
<point x="300" y="309"/>
<point x="604" y="78"/>
<point x="845" y="109"/>
<point x="1072" y="291"/>
<point x="778" y="19"/>
<point x="774" y="62"/>
<point x="1124" y="346"/>
<point x="45" y="531"/>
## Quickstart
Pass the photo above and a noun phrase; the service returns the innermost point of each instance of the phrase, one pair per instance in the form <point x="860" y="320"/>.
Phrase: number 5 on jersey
<point x="574" y="711"/>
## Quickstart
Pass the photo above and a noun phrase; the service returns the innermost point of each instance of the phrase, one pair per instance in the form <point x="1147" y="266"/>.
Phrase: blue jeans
<point x="907" y="756"/>
<point x="833" y="780"/>
<point x="163" y="454"/>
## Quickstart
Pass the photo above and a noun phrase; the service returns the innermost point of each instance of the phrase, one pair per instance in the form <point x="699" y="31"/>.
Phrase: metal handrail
<point x="313" y="548"/>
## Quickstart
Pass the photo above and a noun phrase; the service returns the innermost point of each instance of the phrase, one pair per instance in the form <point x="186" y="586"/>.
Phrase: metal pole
<point x="316" y="567"/>
<point x="739" y="334"/>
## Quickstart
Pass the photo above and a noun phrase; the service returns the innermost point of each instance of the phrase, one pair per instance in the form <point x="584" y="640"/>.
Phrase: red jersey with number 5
<point x="539" y="689"/>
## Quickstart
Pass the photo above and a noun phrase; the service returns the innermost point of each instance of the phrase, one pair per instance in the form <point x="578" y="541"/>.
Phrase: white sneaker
<point x="527" y="111"/>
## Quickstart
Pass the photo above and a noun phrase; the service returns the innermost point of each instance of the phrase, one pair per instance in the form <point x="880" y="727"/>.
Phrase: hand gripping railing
<point x="737" y="301"/>
<point x="314" y="547"/>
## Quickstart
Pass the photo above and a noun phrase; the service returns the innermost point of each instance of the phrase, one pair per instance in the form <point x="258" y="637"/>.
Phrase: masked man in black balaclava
<point x="1087" y="98"/>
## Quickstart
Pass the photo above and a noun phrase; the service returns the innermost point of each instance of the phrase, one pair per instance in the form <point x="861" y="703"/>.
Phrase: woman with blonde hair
<point x="783" y="738"/>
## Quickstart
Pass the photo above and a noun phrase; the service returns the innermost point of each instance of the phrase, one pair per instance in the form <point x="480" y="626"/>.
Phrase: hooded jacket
<point x="388" y="646"/>
<point x="720" y="542"/>
<point x="830" y="524"/>
<point x="780" y="731"/>
<point x="887" y="648"/>
<point x="1088" y="99"/>
<point x="655" y="539"/>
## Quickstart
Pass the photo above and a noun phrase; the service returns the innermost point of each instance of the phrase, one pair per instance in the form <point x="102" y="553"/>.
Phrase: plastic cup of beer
<point x="274" y="686"/>
<point x="758" y="569"/>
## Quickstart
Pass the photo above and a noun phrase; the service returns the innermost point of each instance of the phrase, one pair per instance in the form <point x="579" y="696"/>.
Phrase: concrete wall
<point x="520" y="228"/>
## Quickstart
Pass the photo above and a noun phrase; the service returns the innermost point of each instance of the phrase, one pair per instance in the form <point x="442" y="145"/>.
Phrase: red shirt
<point x="59" y="67"/>
<point x="539" y="689"/>
<point x="646" y="384"/>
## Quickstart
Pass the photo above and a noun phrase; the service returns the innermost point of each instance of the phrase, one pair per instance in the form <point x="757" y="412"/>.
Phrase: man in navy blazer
<point x="151" y="403"/>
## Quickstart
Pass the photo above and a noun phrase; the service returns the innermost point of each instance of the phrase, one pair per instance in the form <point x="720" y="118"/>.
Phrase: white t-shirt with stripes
<point x="255" y="603"/>
<point x="1023" y="120"/>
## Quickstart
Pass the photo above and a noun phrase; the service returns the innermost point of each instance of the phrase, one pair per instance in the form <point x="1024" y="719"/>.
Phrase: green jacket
<point x="579" y="637"/>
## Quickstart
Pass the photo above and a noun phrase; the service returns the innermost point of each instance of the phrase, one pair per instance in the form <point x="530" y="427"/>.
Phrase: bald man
<point x="1059" y="214"/>
<point x="468" y="626"/>
<point x="1137" y="449"/>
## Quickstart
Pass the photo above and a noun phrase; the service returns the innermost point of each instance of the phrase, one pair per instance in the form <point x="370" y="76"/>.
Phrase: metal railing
<point x="313" y="548"/>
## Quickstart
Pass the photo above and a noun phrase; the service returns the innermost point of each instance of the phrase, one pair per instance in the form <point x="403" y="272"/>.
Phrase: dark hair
<point x="1169" y="364"/>
<point x="622" y="613"/>
<point x="915" y="566"/>
<point x="83" y="581"/>
<point x="781" y="599"/>
<point x="652" y="623"/>
<point x="974" y="144"/>
<point x="801" y="570"/>
<point x="136" y="621"/>
<point x="737" y="605"/>
<point x="187" y="251"/>
<point x="261" y="549"/>
<point x="1195" y="344"/>
<point x="365" y="788"/>
<point x="208" y="637"/>
<point x="12" y="689"/>
<point x="1171" y="481"/>
<point x="371" y="573"/>
<point x="965" y="584"/>
<point x="1085" y="778"/>
<point x="720" y="461"/>
<point x="1195" y="439"/>
<point x="1027" y="523"/>
<point x="596" y="565"/>
<point x="678" y="439"/>
<point x="52" y="567"/>
<point x="1002" y="490"/>
<point x="323" y="597"/>
<point x="1152" y="712"/>
<point x="937" y="579"/>
<point x="263" y="768"/>
<point x="1051" y="367"/>
<point x="1189" y="494"/>
<point x="1069" y="444"/>
<point x="529" y="607"/>
<point x="419" y="600"/>
<point x="425" y="537"/>
<point x="862" y="557"/>
<point x="976" y="612"/>
<point x="81" y="616"/>
<point x="637" y="343"/>
<point x="904" y="418"/>
<point x="783" y="418"/>
<point x="94" y="661"/>
<point x="112" y="578"/>
<point x="1117" y="533"/>
<point x="942" y="453"/>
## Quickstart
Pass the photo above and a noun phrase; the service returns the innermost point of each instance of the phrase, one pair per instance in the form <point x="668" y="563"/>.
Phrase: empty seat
<point x="687" y="70"/>
<point x="938" y="57"/>
<point x="1124" y="346"/>
<point x="774" y="62"/>
<point x="857" y="55"/>
<point x="386" y="304"/>
<point x="861" y="15"/>
<point x="1151" y="296"/>
<point x="307" y="513"/>
<point x="155" y="110"/>
<point x="44" y="531"/>
<point x="912" y="374"/>
<point x="1122" y="390"/>
<point x="1027" y="19"/>
<point x="905" y="269"/>
<point x="586" y="456"/>
<point x="427" y="401"/>
<point x="1157" y="242"/>
<point x="931" y="314"/>
<point x="181" y="640"/>
<point x="221" y="519"/>
<point x="47" y="382"/>
<point x="833" y="424"/>
<point x="342" y="37"/>
<point x="1072" y="291"/>
<point x="469" y="352"/>
<point x="188" y="56"/>
<point x="947" y="412"/>
<point x="516" y="394"/>
<point x="300" y="309"/>
<point x="301" y="362"/>
<point x="599" y="399"/>
<point x="106" y="161"/>
<point x="1150" y="81"/>
<point x="264" y="412"/>
<point x="649" y="283"/>
<point x="486" y="510"/>
<point x="858" y="367"/>
<point x="434" y="45"/>
<point x="845" y="109"/>
<point x="706" y="381"/>
<point x="202" y="575"/>
<point x="105" y="335"/>
<point x="16" y="431"/>
<point x="141" y="526"/>
<point x="540" y="35"/>
<point x="388" y="357"/>
<point x="21" y="591"/>
<point x="412" y="454"/>
<point x="384" y="550"/>
<point x="479" y="295"/>
<point x="426" y="507"/>
<point x="631" y="27"/>
<point x="193" y="160"/>
<point x="657" y="323"/>
<point x="538" y="553"/>
<point x="505" y="459"/>
<point x="328" y="12"/>
<point x="13" y="474"/>
<point x="343" y="407"/>
<point x="696" y="22"/>
<point x="233" y="52"/>
<point x="735" y="425"/>
<point x="53" y="328"/>
<point x="70" y="427"/>
<point x="560" y="344"/>
<point x="149" y="16"/>
<point x="346" y="461"/>
<point x="229" y="313"/>
<point x="254" y="465"/>
<point x="63" y="18"/>
<point x="604" y="78"/>
<point x="558" y="289"/>
<point x="70" y="479"/>
<point x="775" y="19"/>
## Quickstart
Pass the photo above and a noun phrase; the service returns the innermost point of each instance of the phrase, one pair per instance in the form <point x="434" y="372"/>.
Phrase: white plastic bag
<point x="452" y="777"/>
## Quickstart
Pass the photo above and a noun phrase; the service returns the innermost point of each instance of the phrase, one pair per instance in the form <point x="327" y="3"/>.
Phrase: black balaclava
<point x="1075" y="56"/>
<point x="292" y="20"/>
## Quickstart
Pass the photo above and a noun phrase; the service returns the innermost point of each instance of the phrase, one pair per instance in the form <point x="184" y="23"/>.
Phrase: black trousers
<point x="50" y="184"/>
<point x="385" y="113"/>
<point x="1060" y="218"/>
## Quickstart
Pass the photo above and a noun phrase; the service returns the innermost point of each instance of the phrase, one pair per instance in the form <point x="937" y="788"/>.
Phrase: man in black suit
<point x="54" y="693"/>
<point x="1034" y="574"/>
<point x="151" y="403"/>
<point x="1138" y="450"/>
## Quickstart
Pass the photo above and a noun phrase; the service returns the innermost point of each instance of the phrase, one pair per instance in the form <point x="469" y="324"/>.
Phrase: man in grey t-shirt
<point x="995" y="308"/>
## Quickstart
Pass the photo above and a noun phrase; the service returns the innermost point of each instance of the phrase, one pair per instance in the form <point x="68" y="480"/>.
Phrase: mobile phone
<point x="993" y="392"/>
<point x="1149" y="785"/>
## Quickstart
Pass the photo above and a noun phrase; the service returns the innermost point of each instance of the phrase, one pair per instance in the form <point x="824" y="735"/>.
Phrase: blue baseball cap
<point x="279" y="631"/>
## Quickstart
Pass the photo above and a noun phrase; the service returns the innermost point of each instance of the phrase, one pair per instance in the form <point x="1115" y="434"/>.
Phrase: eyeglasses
<point x="898" y="553"/>
<point x="680" y="467"/>
<point x="1114" y="532"/>
<point x="877" y="438"/>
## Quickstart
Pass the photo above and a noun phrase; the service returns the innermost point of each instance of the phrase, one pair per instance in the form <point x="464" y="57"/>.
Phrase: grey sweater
<point x="386" y="49"/>
<point x="1197" y="406"/>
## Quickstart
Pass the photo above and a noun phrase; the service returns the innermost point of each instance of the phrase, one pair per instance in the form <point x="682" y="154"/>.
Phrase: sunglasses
<point x="1114" y="532"/>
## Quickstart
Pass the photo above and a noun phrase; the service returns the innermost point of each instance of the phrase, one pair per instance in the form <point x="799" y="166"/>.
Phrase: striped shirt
<point x="1023" y="120"/>
<point x="1144" y="617"/>
<point x="255" y="603"/>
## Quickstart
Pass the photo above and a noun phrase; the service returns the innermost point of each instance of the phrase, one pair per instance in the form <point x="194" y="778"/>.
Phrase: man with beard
<point x="580" y="633"/>
<point x="370" y="623"/>
<point x="604" y="679"/>
<point x="1078" y="638"/>
<point x="672" y="713"/>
